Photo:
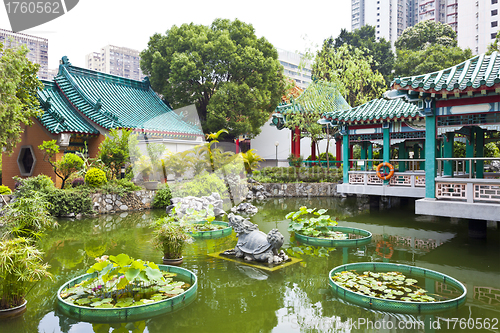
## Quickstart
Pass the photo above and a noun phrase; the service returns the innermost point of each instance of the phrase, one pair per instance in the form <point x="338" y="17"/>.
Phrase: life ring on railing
<point x="383" y="245"/>
<point x="385" y="176"/>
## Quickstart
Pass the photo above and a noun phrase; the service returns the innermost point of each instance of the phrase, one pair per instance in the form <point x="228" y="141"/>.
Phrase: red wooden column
<point x="237" y="146"/>
<point x="297" y="141"/>
<point x="292" y="143"/>
<point x="313" y="152"/>
<point x="351" y="149"/>
<point x="338" y="148"/>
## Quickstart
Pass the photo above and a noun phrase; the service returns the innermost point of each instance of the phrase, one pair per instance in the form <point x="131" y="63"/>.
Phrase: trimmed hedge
<point x="314" y="174"/>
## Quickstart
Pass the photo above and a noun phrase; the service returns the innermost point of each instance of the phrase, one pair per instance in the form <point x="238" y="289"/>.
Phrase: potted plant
<point x="21" y="264"/>
<point x="170" y="237"/>
<point x="295" y="161"/>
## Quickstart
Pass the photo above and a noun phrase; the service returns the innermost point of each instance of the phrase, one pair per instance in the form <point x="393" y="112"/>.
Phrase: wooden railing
<point x="407" y="179"/>
<point x="371" y="164"/>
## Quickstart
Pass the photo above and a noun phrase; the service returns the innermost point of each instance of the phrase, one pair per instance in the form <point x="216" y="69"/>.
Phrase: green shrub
<point x="120" y="187"/>
<point x="162" y="197"/>
<point x="40" y="183"/>
<point x="5" y="190"/>
<point x="322" y="157"/>
<point x="95" y="177"/>
<point x="65" y="202"/>
<point x="201" y="185"/>
<point x="314" y="174"/>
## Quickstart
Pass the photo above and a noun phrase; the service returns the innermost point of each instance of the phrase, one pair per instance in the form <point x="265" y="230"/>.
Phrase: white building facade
<point x="38" y="49"/>
<point x="296" y="67"/>
<point x="475" y="21"/>
<point x="477" y="24"/>
<point x="115" y="60"/>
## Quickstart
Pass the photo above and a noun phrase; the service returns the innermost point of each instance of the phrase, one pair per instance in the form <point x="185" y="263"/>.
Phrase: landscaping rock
<point x="198" y="204"/>
<point x="245" y="208"/>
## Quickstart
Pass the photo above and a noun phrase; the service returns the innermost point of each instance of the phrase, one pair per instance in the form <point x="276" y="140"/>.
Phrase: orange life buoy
<point x="385" y="176"/>
<point x="384" y="244"/>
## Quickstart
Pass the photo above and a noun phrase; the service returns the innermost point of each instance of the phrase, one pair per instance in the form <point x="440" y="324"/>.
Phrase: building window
<point x="494" y="24"/>
<point x="378" y="20"/>
<point x="493" y="35"/>
<point x="26" y="161"/>
<point x="494" y="12"/>
<point x="494" y="2"/>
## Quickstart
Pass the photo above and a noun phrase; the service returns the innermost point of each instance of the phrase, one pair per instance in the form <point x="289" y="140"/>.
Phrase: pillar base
<point x="477" y="229"/>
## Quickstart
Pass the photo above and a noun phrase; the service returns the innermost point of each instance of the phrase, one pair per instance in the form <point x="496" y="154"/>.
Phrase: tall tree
<point x="364" y="39"/>
<point x="427" y="47"/>
<point x="18" y="94"/>
<point x="426" y="33"/>
<point x="432" y="58"/>
<point x="234" y="78"/>
<point x="351" y="69"/>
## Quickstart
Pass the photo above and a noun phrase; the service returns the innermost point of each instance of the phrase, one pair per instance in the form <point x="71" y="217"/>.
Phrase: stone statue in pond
<point x="253" y="244"/>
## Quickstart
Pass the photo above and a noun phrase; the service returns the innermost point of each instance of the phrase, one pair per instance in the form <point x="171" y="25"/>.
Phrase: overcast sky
<point x="291" y="25"/>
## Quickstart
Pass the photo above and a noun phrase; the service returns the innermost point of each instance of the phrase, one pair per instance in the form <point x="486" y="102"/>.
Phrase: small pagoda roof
<point x="111" y="101"/>
<point x="59" y="115"/>
<point x="481" y="73"/>
<point x="375" y="111"/>
<point x="319" y="96"/>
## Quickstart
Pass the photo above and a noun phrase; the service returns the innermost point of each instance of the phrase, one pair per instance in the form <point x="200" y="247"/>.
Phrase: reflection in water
<point x="296" y="298"/>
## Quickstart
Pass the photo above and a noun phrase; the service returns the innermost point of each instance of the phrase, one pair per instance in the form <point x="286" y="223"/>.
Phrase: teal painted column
<point x="387" y="148"/>
<point x="363" y="155"/>
<point x="430" y="157"/>
<point x="402" y="155"/>
<point x="449" y="138"/>
<point x="345" y="156"/>
<point x="469" y="149"/>
<point x="479" y="152"/>
<point x="370" y="156"/>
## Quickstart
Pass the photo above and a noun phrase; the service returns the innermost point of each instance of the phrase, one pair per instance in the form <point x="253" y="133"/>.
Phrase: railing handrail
<point x="392" y="159"/>
<point x="468" y="158"/>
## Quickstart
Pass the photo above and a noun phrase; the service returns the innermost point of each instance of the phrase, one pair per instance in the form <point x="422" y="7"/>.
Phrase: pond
<point x="296" y="298"/>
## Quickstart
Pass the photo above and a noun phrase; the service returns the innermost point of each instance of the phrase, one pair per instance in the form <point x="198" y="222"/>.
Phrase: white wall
<point x="264" y="144"/>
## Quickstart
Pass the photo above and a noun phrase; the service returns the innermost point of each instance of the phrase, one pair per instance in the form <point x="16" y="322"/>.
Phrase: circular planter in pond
<point x="214" y="233"/>
<point x="132" y="313"/>
<point x="376" y="303"/>
<point x="173" y="262"/>
<point x="366" y="238"/>
<point x="13" y="312"/>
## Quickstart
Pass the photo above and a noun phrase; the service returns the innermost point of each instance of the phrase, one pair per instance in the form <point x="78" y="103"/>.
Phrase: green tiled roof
<point x="320" y="96"/>
<point x="376" y="110"/>
<point x="59" y="116"/>
<point x="115" y="102"/>
<point x="479" y="73"/>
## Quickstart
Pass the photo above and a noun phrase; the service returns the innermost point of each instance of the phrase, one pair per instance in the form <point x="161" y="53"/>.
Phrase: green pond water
<point x="235" y="297"/>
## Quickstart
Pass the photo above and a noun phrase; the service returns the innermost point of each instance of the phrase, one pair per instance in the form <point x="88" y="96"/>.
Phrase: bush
<point x="162" y="197"/>
<point x="120" y="187"/>
<point x="40" y="183"/>
<point x="201" y="185"/>
<point x="95" y="177"/>
<point x="314" y="174"/>
<point x="65" y="202"/>
<point x="5" y="190"/>
<point x="322" y="157"/>
<point x="78" y="182"/>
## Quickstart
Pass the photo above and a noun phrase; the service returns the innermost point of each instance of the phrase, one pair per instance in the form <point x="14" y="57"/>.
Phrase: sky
<point x="291" y="25"/>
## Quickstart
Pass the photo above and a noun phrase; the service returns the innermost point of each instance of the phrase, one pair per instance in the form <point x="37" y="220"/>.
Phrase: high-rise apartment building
<point x="475" y="21"/>
<point x="115" y="60"/>
<point x="477" y="24"/>
<point x="296" y="67"/>
<point x="389" y="17"/>
<point x="38" y="48"/>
